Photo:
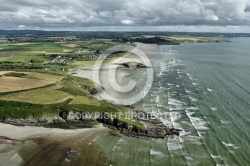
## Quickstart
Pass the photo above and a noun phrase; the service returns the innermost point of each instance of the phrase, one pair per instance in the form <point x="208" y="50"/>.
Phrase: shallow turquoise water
<point x="203" y="89"/>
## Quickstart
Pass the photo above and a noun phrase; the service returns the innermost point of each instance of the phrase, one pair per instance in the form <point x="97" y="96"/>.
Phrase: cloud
<point x="127" y="22"/>
<point x="73" y="14"/>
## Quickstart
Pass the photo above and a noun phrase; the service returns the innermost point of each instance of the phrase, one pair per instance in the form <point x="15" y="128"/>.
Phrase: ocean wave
<point x="174" y="116"/>
<point x="214" y="108"/>
<point x="230" y="145"/>
<point x="193" y="99"/>
<point x="173" y="145"/>
<point x="198" y="123"/>
<point x="210" y="90"/>
<point x="120" y="142"/>
<point x="156" y="153"/>
<point x="225" y="122"/>
<point x="175" y="104"/>
<point x="215" y="156"/>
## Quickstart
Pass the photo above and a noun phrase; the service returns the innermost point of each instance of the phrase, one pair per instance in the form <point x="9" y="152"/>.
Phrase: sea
<point x="202" y="89"/>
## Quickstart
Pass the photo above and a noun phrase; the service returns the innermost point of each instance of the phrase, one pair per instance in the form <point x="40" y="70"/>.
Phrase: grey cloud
<point x="86" y="13"/>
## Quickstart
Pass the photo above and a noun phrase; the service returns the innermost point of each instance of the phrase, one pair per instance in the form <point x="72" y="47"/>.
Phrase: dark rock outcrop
<point x="63" y="113"/>
<point x="95" y="91"/>
<point x="157" y="129"/>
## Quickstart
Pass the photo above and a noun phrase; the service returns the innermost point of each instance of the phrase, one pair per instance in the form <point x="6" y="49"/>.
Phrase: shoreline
<point x="21" y="131"/>
<point x="31" y="145"/>
<point x="27" y="132"/>
<point x="157" y="129"/>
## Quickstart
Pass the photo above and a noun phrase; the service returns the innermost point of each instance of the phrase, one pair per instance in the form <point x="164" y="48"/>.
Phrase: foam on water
<point x="94" y="140"/>
<point x="177" y="126"/>
<point x="215" y="156"/>
<point x="193" y="108"/>
<point x="189" y="76"/>
<point x="175" y="104"/>
<point x="198" y="123"/>
<point x="189" y="92"/>
<point x="173" y="145"/>
<point x="193" y="99"/>
<point x="156" y="153"/>
<point x="195" y="84"/>
<point x="119" y="142"/>
<point x="230" y="145"/>
<point x="225" y="122"/>
<point x="174" y="116"/>
<point x="210" y="90"/>
<point x="214" y="108"/>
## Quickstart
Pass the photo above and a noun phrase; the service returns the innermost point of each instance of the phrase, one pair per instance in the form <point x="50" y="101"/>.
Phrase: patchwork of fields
<point x="28" y="90"/>
<point x="32" y="86"/>
<point x="39" y="55"/>
<point x="34" y="99"/>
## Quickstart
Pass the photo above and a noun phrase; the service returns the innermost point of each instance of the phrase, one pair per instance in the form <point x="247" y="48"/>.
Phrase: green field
<point x="70" y="93"/>
<point x="38" y="55"/>
<point x="192" y="39"/>
<point x="29" y="47"/>
<point x="27" y="58"/>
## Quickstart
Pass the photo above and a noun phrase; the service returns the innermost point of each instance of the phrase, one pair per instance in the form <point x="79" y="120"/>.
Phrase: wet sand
<point x="44" y="146"/>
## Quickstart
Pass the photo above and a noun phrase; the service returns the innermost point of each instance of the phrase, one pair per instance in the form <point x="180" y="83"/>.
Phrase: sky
<point x="127" y="15"/>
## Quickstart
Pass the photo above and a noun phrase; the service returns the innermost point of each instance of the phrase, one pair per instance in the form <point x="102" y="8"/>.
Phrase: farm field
<point x="70" y="93"/>
<point x="39" y="55"/>
<point x="46" y="95"/>
<point x="9" y="82"/>
<point x="192" y="39"/>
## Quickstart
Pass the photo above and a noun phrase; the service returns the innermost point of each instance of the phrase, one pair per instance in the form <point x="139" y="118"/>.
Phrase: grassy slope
<point x="190" y="39"/>
<point x="19" y="81"/>
<point x="70" y="93"/>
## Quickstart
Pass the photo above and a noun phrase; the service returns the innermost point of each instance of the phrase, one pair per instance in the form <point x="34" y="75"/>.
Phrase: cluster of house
<point x="74" y="57"/>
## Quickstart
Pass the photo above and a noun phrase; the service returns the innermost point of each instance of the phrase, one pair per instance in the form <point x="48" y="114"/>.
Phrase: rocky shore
<point x="153" y="127"/>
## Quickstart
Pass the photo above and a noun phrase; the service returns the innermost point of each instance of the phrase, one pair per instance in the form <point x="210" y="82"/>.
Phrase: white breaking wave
<point x="189" y="76"/>
<point x="174" y="116"/>
<point x="210" y="90"/>
<point x="119" y="142"/>
<point x="195" y="84"/>
<point x="193" y="99"/>
<point x="173" y="145"/>
<point x="198" y="123"/>
<point x="175" y="104"/>
<point x="94" y="140"/>
<point x="193" y="108"/>
<point x="225" y="122"/>
<point x="214" y="108"/>
<point x="230" y="145"/>
<point x="156" y="153"/>
<point x="215" y="156"/>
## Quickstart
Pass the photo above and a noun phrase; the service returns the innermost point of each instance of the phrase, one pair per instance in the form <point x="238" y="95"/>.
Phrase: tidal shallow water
<point x="204" y="89"/>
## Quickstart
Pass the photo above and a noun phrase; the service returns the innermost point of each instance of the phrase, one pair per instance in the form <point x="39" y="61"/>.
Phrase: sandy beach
<point x="31" y="145"/>
<point x="26" y="132"/>
<point x="109" y="74"/>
